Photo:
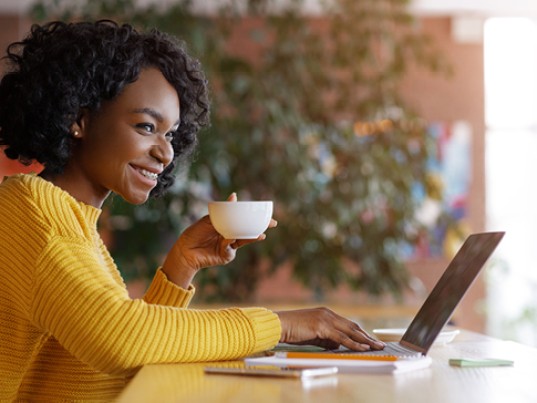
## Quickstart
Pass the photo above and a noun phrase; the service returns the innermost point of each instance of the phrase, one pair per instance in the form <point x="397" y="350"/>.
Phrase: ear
<point x="79" y="127"/>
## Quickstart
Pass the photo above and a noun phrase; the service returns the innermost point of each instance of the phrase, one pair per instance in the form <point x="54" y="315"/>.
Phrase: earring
<point x="76" y="133"/>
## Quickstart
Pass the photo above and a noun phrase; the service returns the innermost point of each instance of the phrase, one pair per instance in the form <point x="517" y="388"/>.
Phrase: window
<point x="511" y="174"/>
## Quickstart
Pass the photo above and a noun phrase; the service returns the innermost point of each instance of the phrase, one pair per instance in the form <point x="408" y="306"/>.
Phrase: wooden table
<point x="437" y="384"/>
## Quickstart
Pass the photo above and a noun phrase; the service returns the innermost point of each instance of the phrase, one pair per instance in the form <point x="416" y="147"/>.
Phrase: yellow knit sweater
<point x="68" y="329"/>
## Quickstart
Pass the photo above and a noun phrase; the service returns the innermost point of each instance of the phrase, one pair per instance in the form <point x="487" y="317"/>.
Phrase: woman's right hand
<point x="323" y="327"/>
<point x="199" y="246"/>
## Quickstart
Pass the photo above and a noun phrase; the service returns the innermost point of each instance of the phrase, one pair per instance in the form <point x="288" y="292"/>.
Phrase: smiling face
<point x="124" y="145"/>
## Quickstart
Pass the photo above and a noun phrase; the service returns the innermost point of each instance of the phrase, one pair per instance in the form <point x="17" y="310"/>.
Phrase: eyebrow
<point x="154" y="114"/>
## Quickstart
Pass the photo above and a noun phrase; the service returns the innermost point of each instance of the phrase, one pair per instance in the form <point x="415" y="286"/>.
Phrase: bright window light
<point x="510" y="72"/>
<point x="511" y="164"/>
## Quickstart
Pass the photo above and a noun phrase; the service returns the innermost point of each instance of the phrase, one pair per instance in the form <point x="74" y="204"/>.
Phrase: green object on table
<point x="480" y="362"/>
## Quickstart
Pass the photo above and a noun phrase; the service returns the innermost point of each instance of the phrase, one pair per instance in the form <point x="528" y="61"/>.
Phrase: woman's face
<point x="124" y="145"/>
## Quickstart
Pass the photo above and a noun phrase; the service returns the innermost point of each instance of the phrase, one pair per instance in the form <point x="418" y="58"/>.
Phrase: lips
<point x="147" y="174"/>
<point x="151" y="175"/>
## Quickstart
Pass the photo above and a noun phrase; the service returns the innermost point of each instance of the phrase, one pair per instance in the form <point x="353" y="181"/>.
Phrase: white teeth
<point x="148" y="174"/>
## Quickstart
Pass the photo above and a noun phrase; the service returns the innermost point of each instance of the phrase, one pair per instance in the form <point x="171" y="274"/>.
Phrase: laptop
<point x="443" y="299"/>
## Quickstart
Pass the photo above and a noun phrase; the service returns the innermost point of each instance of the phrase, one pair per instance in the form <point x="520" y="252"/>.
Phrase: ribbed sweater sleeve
<point x="79" y="302"/>
<point x="164" y="292"/>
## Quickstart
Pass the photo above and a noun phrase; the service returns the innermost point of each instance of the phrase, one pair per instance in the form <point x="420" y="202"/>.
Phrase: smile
<point x="147" y="174"/>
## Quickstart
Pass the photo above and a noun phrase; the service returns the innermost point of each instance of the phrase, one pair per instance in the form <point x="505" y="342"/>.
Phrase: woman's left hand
<point x="201" y="246"/>
<point x="324" y="328"/>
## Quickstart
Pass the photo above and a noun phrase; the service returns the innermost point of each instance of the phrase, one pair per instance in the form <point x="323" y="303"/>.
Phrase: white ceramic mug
<point x="240" y="219"/>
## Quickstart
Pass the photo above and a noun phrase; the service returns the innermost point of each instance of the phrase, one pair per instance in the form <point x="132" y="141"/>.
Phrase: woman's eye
<point x="148" y="127"/>
<point x="169" y="136"/>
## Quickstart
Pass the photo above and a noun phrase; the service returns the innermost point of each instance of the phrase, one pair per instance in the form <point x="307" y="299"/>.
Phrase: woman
<point x="104" y="109"/>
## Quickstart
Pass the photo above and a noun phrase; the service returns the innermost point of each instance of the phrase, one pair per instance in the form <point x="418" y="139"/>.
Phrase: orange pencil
<point x="334" y="356"/>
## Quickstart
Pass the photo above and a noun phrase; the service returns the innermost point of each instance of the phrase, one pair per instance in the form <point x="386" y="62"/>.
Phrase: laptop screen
<point x="449" y="290"/>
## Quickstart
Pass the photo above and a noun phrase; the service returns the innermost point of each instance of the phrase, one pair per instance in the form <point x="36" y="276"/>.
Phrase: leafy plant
<point x="313" y="120"/>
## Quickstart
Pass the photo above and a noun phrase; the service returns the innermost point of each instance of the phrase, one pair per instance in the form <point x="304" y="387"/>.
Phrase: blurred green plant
<point x="311" y="118"/>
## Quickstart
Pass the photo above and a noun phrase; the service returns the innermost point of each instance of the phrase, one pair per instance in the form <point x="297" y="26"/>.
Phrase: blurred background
<point x="385" y="131"/>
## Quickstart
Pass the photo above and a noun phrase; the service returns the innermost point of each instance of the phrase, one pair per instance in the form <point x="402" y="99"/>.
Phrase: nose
<point x="162" y="151"/>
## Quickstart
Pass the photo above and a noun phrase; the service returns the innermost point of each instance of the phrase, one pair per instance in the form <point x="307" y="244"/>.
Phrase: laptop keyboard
<point x="392" y="348"/>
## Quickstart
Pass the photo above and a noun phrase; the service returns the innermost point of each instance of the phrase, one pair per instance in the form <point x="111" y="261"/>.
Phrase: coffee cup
<point x="240" y="219"/>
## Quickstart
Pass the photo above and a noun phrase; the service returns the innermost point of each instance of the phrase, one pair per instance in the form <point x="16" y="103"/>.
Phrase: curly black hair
<point x="60" y="68"/>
